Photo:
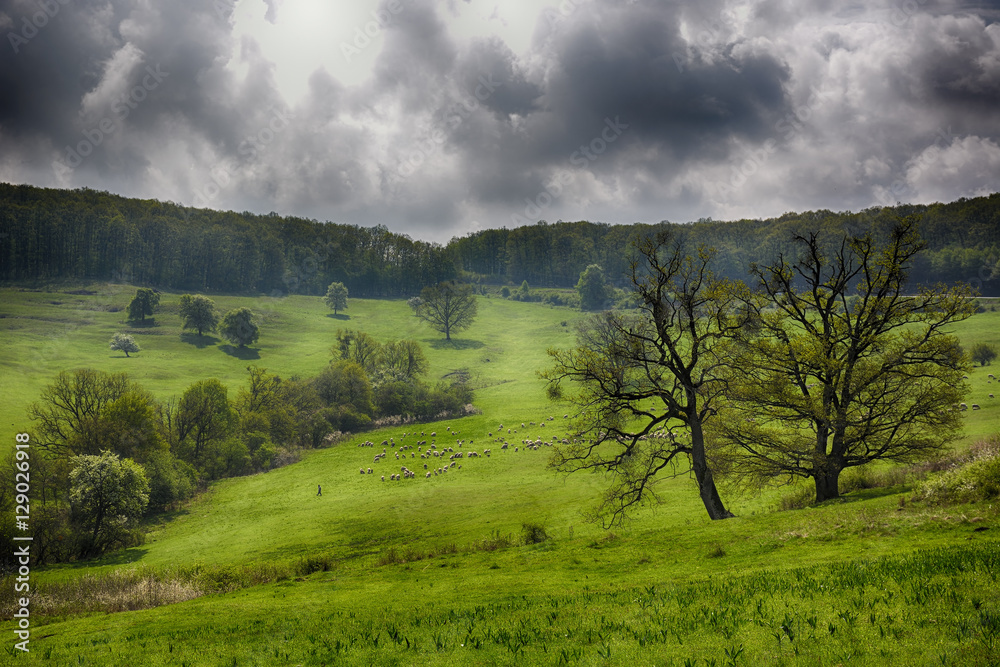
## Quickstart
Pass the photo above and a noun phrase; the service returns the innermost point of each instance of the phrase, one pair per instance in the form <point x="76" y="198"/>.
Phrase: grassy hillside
<point x="437" y="571"/>
<point x="45" y="332"/>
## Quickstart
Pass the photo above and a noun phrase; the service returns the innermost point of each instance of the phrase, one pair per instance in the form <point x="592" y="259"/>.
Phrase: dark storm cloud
<point x="623" y="65"/>
<point x="617" y="110"/>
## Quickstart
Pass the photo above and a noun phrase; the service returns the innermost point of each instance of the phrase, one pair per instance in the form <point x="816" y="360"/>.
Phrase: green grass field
<point x="435" y="571"/>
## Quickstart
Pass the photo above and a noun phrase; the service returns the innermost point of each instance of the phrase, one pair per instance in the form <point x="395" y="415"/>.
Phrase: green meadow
<point x="494" y="562"/>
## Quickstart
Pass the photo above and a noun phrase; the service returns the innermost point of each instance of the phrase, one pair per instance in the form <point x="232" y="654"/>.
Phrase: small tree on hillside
<point x="124" y="343"/>
<point x="199" y="313"/>
<point x="239" y="328"/>
<point x="359" y="347"/>
<point x="108" y="496"/>
<point x="448" y="306"/>
<point x="336" y="297"/>
<point x="983" y="353"/>
<point x="143" y="303"/>
<point x="593" y="288"/>
<point x="204" y="419"/>
<point x="402" y="360"/>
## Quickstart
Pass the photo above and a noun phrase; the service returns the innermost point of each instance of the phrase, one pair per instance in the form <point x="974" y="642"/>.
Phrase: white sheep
<point x="975" y="406"/>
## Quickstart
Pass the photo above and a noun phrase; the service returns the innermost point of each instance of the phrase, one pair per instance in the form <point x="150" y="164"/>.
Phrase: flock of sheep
<point x="447" y="458"/>
<point x="975" y="406"/>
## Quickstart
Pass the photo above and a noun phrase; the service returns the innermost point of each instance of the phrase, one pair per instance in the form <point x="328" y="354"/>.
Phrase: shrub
<point x="975" y="481"/>
<point x="534" y="533"/>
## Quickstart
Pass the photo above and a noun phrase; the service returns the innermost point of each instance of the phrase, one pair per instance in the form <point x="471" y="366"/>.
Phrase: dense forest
<point x="89" y="235"/>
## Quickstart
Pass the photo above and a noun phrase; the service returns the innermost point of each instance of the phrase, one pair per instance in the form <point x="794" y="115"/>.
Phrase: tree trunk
<point x="827" y="483"/>
<point x="703" y="474"/>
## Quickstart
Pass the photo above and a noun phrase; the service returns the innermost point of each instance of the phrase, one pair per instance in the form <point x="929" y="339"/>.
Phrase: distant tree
<point x="593" y="288"/>
<point x="345" y="383"/>
<point x="108" y="496"/>
<point x="170" y="480"/>
<point x="143" y="303"/>
<point x="505" y="292"/>
<point x="336" y="297"/>
<point x="524" y="292"/>
<point x="85" y="411"/>
<point x="447" y="307"/>
<point x="199" y="313"/>
<point x="359" y="347"/>
<point x="402" y="360"/>
<point x="983" y="353"/>
<point x="124" y="343"/>
<point x="239" y="328"/>
<point x="204" y="419"/>
<point x="821" y="384"/>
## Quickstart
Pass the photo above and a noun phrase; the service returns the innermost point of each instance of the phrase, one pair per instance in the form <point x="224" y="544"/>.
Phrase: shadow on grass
<point x="455" y="344"/>
<point x="148" y="323"/>
<point x="123" y="557"/>
<point x="244" y="353"/>
<point x="199" y="341"/>
<point x="339" y="316"/>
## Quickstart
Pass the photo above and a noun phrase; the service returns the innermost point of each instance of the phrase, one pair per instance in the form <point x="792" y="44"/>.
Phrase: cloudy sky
<point x="440" y="117"/>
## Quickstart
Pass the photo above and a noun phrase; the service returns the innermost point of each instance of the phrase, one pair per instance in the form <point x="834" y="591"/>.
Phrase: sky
<point x="437" y="118"/>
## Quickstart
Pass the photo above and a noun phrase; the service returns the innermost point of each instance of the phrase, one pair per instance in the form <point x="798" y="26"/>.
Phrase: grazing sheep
<point x="428" y="475"/>
<point x="369" y="471"/>
<point x="433" y="434"/>
<point x="362" y="471"/>
<point x="975" y="406"/>
<point x="383" y="478"/>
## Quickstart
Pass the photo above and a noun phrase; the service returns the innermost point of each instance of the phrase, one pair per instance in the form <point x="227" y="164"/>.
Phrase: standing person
<point x="319" y="489"/>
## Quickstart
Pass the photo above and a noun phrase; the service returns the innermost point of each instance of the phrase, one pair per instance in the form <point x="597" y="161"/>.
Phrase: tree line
<point x="90" y="235"/>
<point x="85" y="234"/>
<point x="963" y="244"/>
